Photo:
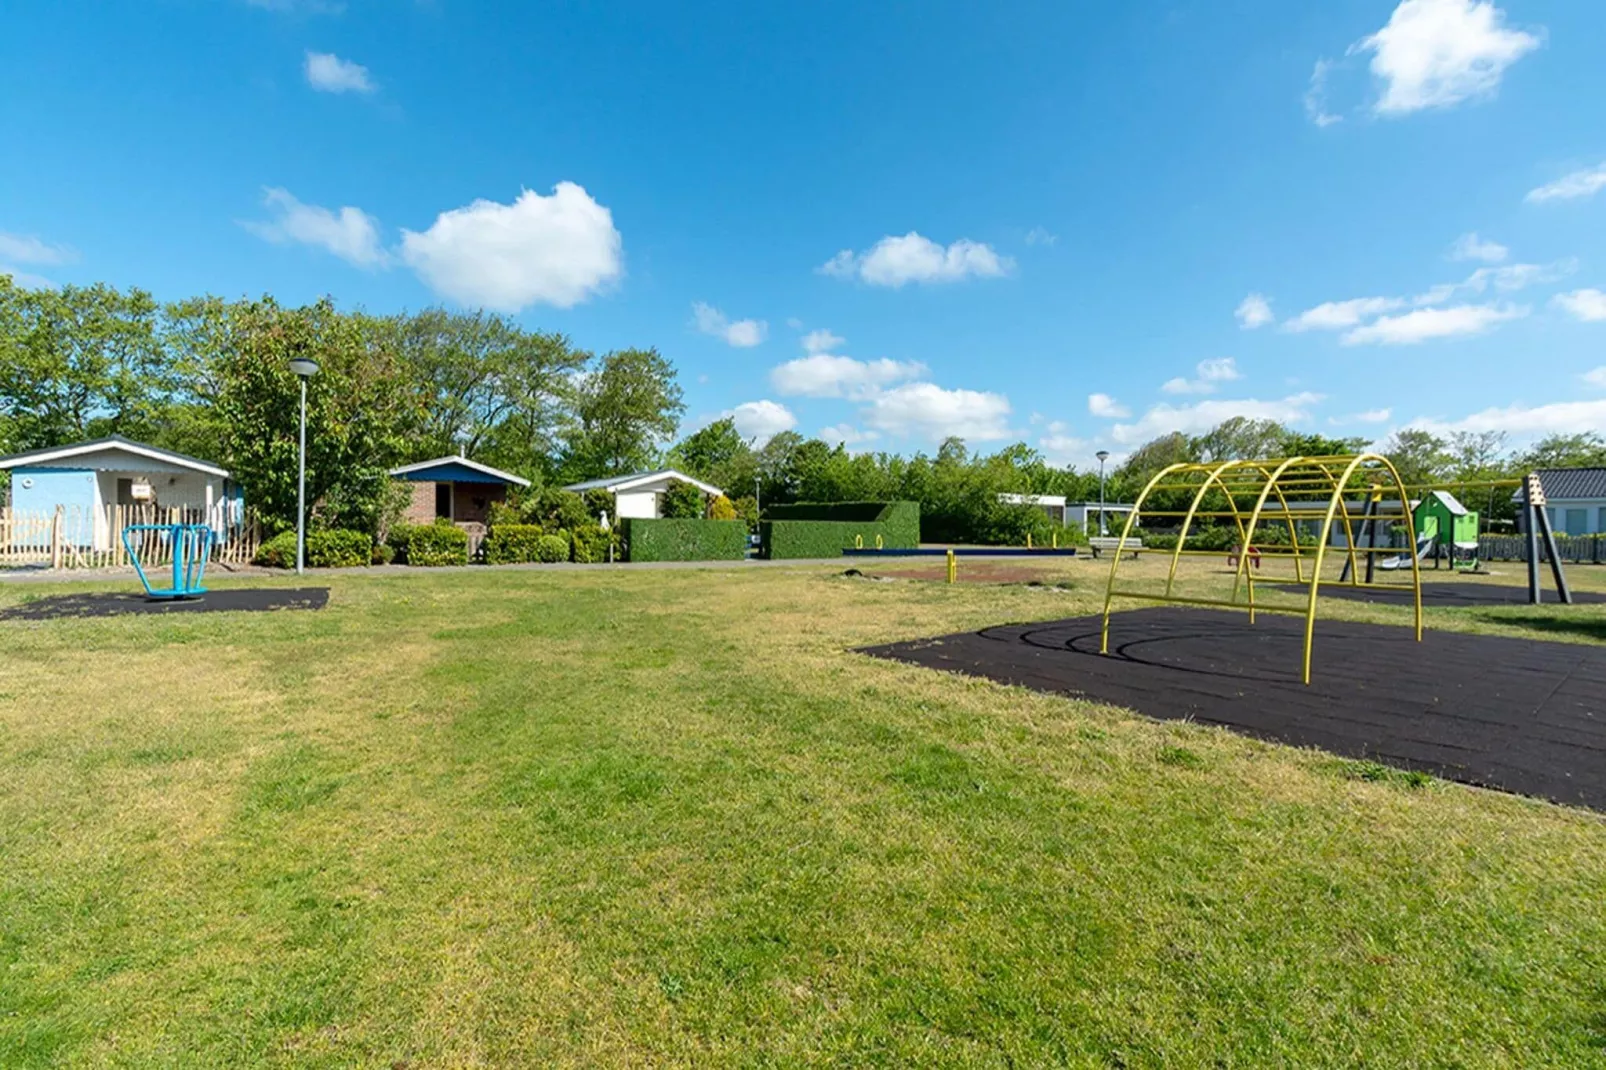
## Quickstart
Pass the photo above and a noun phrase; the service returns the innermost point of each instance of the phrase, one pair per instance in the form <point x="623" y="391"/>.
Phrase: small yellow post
<point x="1056" y="540"/>
<point x="1028" y="540"/>
<point x="953" y="567"/>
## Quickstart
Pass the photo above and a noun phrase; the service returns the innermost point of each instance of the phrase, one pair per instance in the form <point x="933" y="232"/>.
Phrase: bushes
<point x="550" y="549"/>
<point x="277" y="552"/>
<point x="721" y="509"/>
<point x="330" y="548"/>
<point x="436" y="544"/>
<point x="686" y="540"/>
<point x="336" y="548"/>
<point x="825" y="529"/>
<point x="682" y="501"/>
<point x="510" y="543"/>
<point x="591" y="543"/>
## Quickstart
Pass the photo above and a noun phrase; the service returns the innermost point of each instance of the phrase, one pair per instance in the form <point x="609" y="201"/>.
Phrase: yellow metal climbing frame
<point x="1272" y="497"/>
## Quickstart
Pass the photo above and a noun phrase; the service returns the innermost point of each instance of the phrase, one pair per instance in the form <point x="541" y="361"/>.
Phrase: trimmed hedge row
<point x="510" y="543"/>
<point x="326" y="548"/>
<point x="825" y="529"/>
<point x="686" y="540"/>
<point x="436" y="544"/>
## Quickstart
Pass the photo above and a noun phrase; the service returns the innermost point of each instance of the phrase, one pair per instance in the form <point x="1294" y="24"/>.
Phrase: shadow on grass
<point x="1586" y="627"/>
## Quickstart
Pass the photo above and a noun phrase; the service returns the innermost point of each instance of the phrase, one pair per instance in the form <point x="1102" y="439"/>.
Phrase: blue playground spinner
<point x="191" y="545"/>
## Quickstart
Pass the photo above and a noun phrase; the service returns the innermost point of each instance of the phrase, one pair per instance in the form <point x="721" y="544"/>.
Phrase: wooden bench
<point x="1108" y="543"/>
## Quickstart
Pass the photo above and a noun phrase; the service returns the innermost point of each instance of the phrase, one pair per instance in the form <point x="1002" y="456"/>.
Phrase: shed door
<point x="443" y="501"/>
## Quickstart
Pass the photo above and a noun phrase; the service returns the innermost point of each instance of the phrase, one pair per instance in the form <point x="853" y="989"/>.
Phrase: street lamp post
<point x="1102" y="455"/>
<point x="305" y="368"/>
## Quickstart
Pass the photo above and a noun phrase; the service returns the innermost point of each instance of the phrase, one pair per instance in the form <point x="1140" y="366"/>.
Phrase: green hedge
<point x="331" y="548"/>
<point x="552" y="549"/>
<point x="686" y="540"/>
<point x="825" y="529"/>
<point x="510" y="543"/>
<point x="437" y="544"/>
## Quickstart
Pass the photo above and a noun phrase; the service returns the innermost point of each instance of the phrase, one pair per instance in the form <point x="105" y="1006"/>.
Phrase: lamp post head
<point x="305" y="367"/>
<point x="1102" y="455"/>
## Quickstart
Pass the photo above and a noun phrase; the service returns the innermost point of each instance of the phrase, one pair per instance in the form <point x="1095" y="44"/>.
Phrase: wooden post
<point x="1556" y="570"/>
<point x="55" y="539"/>
<point x="1533" y="503"/>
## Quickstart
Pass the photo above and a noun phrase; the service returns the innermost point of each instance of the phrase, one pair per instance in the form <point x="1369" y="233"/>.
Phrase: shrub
<point x="686" y="540"/>
<point x="552" y="548"/>
<point x="396" y="538"/>
<point x="509" y="543"/>
<point x="591" y="543"/>
<point x="721" y="508"/>
<point x="382" y="554"/>
<point x="326" y="548"/>
<point x="816" y="529"/>
<point x="682" y="501"/>
<point x="277" y="552"/>
<point x="431" y="545"/>
<point x="337" y="548"/>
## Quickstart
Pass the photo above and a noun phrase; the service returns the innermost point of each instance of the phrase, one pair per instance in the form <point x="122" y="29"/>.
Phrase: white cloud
<point x="823" y="375"/>
<point x="349" y="233"/>
<point x="741" y="333"/>
<point x="1424" y="324"/>
<point x="557" y="250"/>
<point x="1528" y="421"/>
<point x="925" y="410"/>
<point x="1596" y="377"/>
<point x="1471" y="247"/>
<point x="1316" y="96"/>
<point x="846" y="435"/>
<point x="1209" y="373"/>
<point x="26" y="280"/>
<point x="896" y="261"/>
<point x="1587" y="305"/>
<point x="1337" y="315"/>
<point x="1585" y="183"/>
<point x="1040" y="236"/>
<point x="1507" y="278"/>
<point x="1200" y="416"/>
<point x="328" y="73"/>
<point x="761" y="420"/>
<point x="1370" y="416"/>
<point x="27" y="249"/>
<point x="821" y="341"/>
<point x="1062" y="447"/>
<point x="1437" y="53"/>
<point x="1106" y="407"/>
<point x="1253" y="311"/>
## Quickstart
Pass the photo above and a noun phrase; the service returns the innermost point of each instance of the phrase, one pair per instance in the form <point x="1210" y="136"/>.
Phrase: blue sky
<point x="1075" y="225"/>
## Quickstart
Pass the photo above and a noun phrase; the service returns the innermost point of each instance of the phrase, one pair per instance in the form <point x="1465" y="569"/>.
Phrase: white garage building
<point x="640" y="495"/>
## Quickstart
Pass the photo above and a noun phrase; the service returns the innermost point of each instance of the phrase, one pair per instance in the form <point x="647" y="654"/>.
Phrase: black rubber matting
<point x="1521" y="715"/>
<point x="234" y="600"/>
<point x="1447" y="594"/>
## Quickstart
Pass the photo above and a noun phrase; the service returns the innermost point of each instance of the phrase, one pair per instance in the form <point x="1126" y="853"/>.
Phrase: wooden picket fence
<point x="89" y="538"/>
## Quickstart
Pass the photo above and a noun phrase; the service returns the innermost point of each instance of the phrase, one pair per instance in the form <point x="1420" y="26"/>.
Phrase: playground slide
<point x="1424" y="546"/>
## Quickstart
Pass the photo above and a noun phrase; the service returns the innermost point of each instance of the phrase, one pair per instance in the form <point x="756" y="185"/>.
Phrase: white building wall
<point x="641" y="504"/>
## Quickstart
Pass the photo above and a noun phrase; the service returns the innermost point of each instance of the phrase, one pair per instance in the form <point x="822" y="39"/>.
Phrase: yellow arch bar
<point x="1324" y="478"/>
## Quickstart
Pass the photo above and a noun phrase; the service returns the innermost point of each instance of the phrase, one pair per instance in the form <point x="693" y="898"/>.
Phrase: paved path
<point x="215" y="571"/>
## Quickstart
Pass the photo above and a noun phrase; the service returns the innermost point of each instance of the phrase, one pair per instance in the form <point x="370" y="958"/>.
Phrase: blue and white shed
<point x="87" y="481"/>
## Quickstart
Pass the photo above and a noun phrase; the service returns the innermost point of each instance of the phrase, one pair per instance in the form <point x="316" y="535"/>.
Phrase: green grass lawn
<point x="494" y="818"/>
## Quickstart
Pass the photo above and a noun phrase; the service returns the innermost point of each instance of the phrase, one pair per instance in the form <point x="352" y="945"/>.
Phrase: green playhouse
<point x="1439" y="514"/>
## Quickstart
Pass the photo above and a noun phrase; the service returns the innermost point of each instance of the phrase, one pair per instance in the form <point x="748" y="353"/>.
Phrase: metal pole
<point x="301" y="487"/>
<point x="1102" y="529"/>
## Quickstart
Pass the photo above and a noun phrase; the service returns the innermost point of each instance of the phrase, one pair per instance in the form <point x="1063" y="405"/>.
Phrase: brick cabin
<point x="455" y="489"/>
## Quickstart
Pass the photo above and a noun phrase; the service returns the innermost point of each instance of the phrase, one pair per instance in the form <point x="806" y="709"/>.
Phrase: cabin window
<point x="443" y="501"/>
<point x="1577" y="522"/>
